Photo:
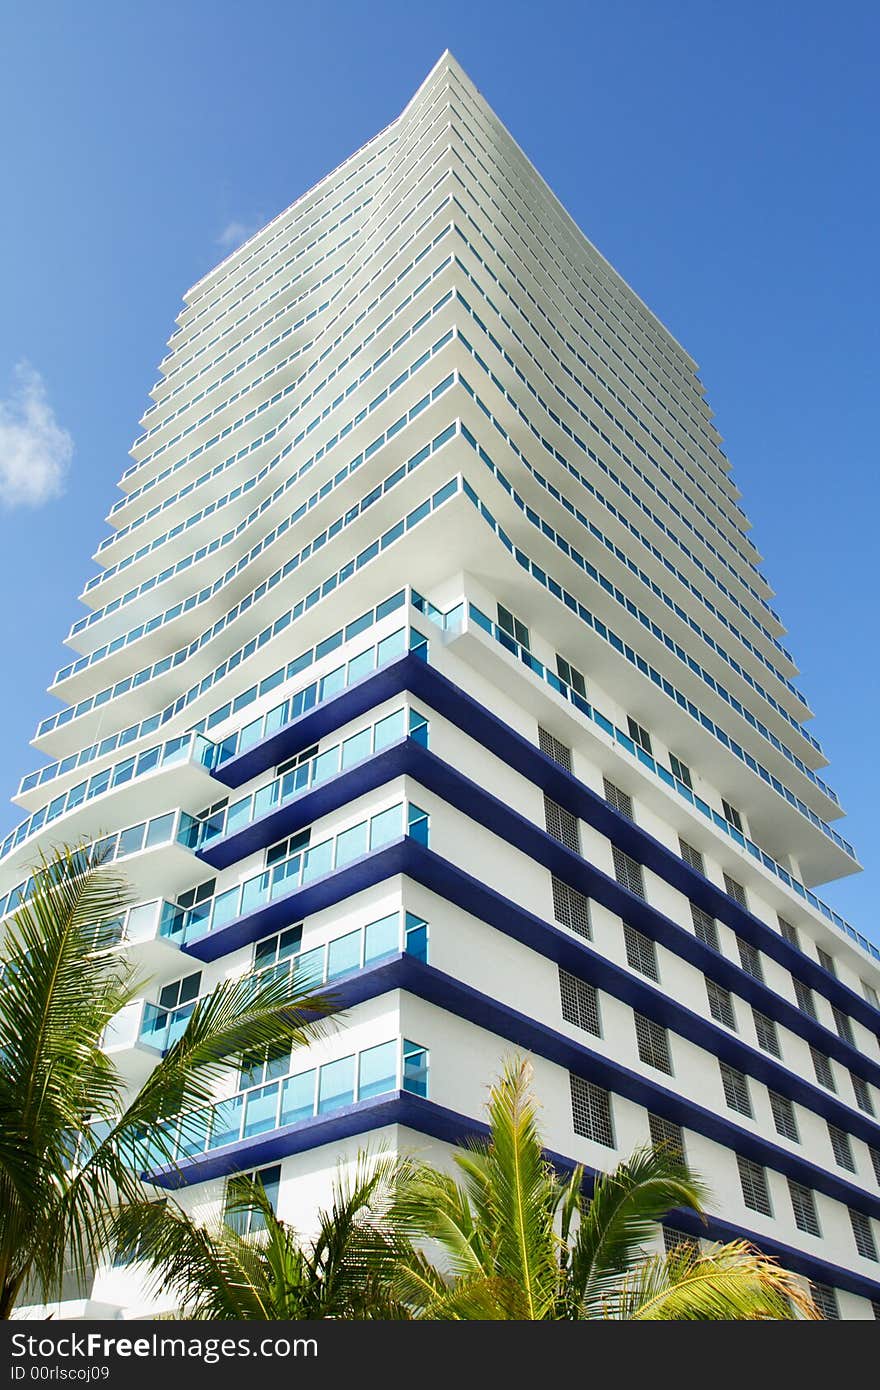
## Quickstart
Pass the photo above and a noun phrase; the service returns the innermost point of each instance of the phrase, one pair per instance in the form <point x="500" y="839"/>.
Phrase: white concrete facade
<point x="429" y="523"/>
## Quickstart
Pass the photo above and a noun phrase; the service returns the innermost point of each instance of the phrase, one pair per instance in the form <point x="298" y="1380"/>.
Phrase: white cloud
<point x="34" y="450"/>
<point x="234" y="233"/>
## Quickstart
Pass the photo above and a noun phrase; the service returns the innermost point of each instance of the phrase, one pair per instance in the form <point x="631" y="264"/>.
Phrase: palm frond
<point x="724" y="1282"/>
<point x="623" y="1214"/>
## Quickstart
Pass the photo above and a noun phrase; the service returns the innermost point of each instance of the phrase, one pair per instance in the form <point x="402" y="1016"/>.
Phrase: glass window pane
<point x="326" y="765"/>
<point x="389" y="729"/>
<point x="333" y="682"/>
<point x="317" y="861"/>
<point x="351" y="844"/>
<point x="260" y="1110"/>
<point x="391" y="646"/>
<point x="131" y="840"/>
<point x="336" y="1085"/>
<point x="382" y="938"/>
<point x="310" y="968"/>
<point x="289" y="942"/>
<point x="160" y="830"/>
<point x="415" y="1068"/>
<point x="344" y="954"/>
<point x="298" y="1098"/>
<point x="226" y="905"/>
<point x="361" y="665"/>
<point x="386" y="826"/>
<point x="356" y="748"/>
<point x="226" y="1126"/>
<point x="377" y="1071"/>
<point x="193" y="1133"/>
<point x="254" y="892"/>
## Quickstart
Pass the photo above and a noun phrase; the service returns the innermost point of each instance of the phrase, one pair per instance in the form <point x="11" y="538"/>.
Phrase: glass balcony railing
<point x="399" y="931"/>
<point x="187" y="748"/>
<point x="396" y="1065"/>
<point x="313" y="771"/>
<point x="335" y="681"/>
<point x="305" y="864"/>
<point x="174" y="827"/>
<point x="359" y="665"/>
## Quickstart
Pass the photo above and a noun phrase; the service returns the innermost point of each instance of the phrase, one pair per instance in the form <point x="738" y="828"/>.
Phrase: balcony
<point x="312" y="772"/>
<point x="303" y="865"/>
<point x="277" y="1107"/>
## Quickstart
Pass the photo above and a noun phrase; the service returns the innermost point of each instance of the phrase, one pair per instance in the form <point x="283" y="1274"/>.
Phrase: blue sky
<point x="722" y="156"/>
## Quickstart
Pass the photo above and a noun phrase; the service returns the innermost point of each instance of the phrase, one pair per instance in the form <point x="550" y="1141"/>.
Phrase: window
<point x="871" y="994"/>
<point x="804" y="996"/>
<point x="825" y="1299"/>
<point x="705" y="927"/>
<point x="193" y="896"/>
<point x="736" y="1089"/>
<point x="571" y="908"/>
<point x="750" y="959"/>
<point x="272" y="950"/>
<point x="248" y="1221"/>
<point x="842" y="1148"/>
<point x="641" y="952"/>
<point x="653" y="1043"/>
<point x="822" y="1068"/>
<point x="621" y="802"/>
<point x="803" y="1204"/>
<point x="262" y="1065"/>
<point x="638" y="734"/>
<point x="285" y="848"/>
<point x="673" y="1240"/>
<point x="571" y="677"/>
<point x="753" y="1180"/>
<point x="681" y="771"/>
<point x="735" y="890"/>
<point x="843" y="1025"/>
<point x="180" y="991"/>
<point x="862" y="1093"/>
<point x="691" y="856"/>
<point x="513" y="627"/>
<point x="591" y="1111"/>
<point x="666" y="1134"/>
<point x="732" y="815"/>
<point x="562" y="825"/>
<point x="628" y="872"/>
<point x="765" y="1031"/>
<point x="580" y="1003"/>
<point x="789" y="932"/>
<point x="875" y="1308"/>
<point x="875" y="1161"/>
<point x="784" y="1117"/>
<point x="826" y="961"/>
<point x="720" y="1004"/>
<point x="305" y="755"/>
<point x="549" y="744"/>
<point x="864" y="1235"/>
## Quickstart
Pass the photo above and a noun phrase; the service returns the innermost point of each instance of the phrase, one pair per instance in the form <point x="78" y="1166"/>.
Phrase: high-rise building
<point x="428" y="645"/>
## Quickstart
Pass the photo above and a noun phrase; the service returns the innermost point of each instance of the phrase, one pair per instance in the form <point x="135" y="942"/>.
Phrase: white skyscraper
<point x="428" y="643"/>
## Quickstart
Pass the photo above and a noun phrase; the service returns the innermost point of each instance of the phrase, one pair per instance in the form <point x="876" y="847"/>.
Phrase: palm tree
<point x="251" y="1266"/>
<point x="71" y="1143"/>
<point x="519" y="1241"/>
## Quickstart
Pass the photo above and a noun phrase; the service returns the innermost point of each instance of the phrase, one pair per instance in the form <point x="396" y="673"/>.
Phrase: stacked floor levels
<point x="429" y="649"/>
